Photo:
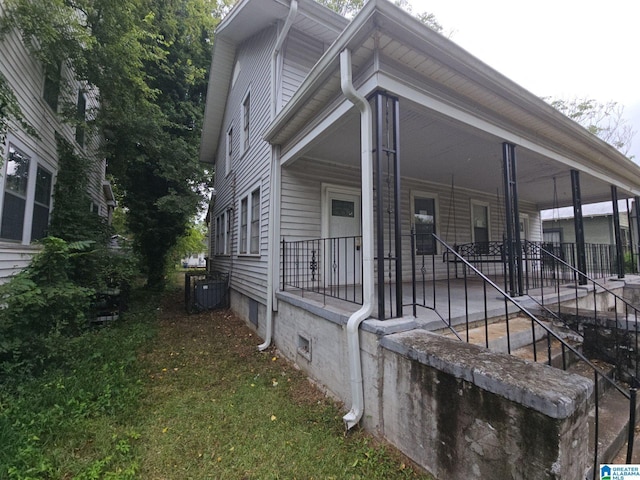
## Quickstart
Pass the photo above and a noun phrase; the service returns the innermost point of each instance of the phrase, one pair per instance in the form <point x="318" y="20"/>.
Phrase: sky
<point x="557" y="48"/>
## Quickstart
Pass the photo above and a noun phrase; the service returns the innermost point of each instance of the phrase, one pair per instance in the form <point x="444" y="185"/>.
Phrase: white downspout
<point x="274" y="188"/>
<point x="352" y="418"/>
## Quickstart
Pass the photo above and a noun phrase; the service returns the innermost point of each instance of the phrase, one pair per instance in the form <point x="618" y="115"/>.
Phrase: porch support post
<point x="513" y="240"/>
<point x="379" y="210"/>
<point x="397" y="209"/>
<point x="578" y="226"/>
<point x="636" y="206"/>
<point x="388" y="221"/>
<point x="616" y="232"/>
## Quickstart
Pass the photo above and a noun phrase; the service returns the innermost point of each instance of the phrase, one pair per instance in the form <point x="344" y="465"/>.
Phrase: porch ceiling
<point x="434" y="148"/>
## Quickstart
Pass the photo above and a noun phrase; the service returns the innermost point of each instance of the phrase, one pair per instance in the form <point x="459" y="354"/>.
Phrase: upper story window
<point x="250" y="224"/>
<point x="229" y="154"/>
<point x="246" y="116"/>
<point x="81" y="115"/>
<point x="41" y="204"/>
<point x="15" y="195"/>
<point x="51" y="91"/>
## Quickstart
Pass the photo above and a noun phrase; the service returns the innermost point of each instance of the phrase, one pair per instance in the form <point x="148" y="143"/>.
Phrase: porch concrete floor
<point x="456" y="301"/>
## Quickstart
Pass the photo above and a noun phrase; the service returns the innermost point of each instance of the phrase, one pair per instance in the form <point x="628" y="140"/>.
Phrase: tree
<point x="149" y="60"/>
<point x="10" y="111"/>
<point x="346" y="8"/>
<point x="605" y="120"/>
<point x="349" y="8"/>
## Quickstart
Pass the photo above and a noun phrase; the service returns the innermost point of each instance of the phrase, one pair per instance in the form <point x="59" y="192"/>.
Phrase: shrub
<point x="40" y="307"/>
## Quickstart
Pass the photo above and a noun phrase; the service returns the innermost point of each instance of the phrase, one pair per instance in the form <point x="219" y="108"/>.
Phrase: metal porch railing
<point x="329" y="267"/>
<point x="605" y="315"/>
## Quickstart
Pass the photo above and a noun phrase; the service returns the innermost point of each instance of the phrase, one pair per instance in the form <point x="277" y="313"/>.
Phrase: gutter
<point x="352" y="418"/>
<point x="274" y="188"/>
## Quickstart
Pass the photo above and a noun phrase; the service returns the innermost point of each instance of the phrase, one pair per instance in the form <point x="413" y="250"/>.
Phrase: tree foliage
<point x="605" y="120"/>
<point x="149" y="60"/>
<point x="349" y="8"/>
<point x="10" y="111"/>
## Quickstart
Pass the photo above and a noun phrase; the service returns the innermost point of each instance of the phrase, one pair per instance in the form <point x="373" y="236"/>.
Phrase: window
<point x="51" y="90"/>
<point x="223" y="233"/>
<point x="246" y="108"/>
<point x="15" y="195"/>
<point x="41" y="204"/>
<point x="243" y="225"/>
<point x="250" y="224"/>
<point x="425" y="223"/>
<point x="480" y="226"/>
<point x="229" y="150"/>
<point x="81" y="118"/>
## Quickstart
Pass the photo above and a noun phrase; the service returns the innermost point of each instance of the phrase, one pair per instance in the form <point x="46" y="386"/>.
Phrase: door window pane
<point x="342" y="208"/>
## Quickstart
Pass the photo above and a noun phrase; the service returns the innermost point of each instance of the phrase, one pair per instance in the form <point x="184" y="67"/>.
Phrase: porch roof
<point x="454" y="109"/>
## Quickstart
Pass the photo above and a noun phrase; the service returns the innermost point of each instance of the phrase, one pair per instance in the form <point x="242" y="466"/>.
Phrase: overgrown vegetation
<point x="149" y="61"/>
<point x="165" y="395"/>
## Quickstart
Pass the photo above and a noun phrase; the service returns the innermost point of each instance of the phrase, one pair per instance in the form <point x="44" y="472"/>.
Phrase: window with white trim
<point x="15" y="195"/>
<point x="246" y="116"/>
<point x="249" y="243"/>
<point x="424" y="208"/>
<point x="229" y="150"/>
<point x="81" y="116"/>
<point x="223" y="233"/>
<point x="41" y="204"/>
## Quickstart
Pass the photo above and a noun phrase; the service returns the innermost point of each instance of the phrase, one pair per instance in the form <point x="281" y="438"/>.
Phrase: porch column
<point x="636" y="205"/>
<point x="578" y="226"/>
<point x="616" y="232"/>
<point x="513" y="240"/>
<point x="388" y="221"/>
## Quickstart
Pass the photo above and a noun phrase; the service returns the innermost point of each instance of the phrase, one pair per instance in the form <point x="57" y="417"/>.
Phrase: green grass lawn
<point x="165" y="395"/>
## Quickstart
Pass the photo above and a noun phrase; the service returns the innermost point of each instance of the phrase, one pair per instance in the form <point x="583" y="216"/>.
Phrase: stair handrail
<point x="581" y="274"/>
<point x="524" y="310"/>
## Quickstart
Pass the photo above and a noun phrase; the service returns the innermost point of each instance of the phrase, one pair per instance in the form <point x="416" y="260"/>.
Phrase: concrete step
<point x="520" y="335"/>
<point x="550" y="352"/>
<point x="613" y="423"/>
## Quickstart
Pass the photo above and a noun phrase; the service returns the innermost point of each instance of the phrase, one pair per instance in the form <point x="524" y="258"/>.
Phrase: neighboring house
<point x="558" y="225"/>
<point x="29" y="164"/>
<point x="333" y="141"/>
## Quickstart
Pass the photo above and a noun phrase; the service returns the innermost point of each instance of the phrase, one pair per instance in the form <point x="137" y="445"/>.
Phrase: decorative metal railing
<point x="329" y="267"/>
<point x="604" y="315"/>
<point x="543" y="339"/>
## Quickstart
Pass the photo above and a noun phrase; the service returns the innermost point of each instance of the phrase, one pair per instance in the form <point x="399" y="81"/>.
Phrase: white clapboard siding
<point x="300" y="55"/>
<point x="25" y="76"/>
<point x="14" y="258"/>
<point x="249" y="169"/>
<point x="302" y="211"/>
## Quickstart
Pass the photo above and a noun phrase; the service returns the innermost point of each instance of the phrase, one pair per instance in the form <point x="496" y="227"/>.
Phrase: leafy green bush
<point x="40" y="307"/>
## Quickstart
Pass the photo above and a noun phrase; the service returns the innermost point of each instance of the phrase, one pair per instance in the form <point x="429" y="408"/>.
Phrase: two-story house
<point x="29" y="163"/>
<point x="353" y="160"/>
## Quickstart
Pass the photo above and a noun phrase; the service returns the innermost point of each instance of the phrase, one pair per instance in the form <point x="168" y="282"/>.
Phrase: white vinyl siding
<point x="301" y="215"/>
<point x="26" y="77"/>
<point x="300" y="55"/>
<point x="250" y="170"/>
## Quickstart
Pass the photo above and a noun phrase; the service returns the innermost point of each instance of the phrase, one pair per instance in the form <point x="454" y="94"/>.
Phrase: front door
<point x="344" y="266"/>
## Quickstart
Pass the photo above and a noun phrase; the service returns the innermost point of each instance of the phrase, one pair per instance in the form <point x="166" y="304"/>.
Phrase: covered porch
<point x="437" y="143"/>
